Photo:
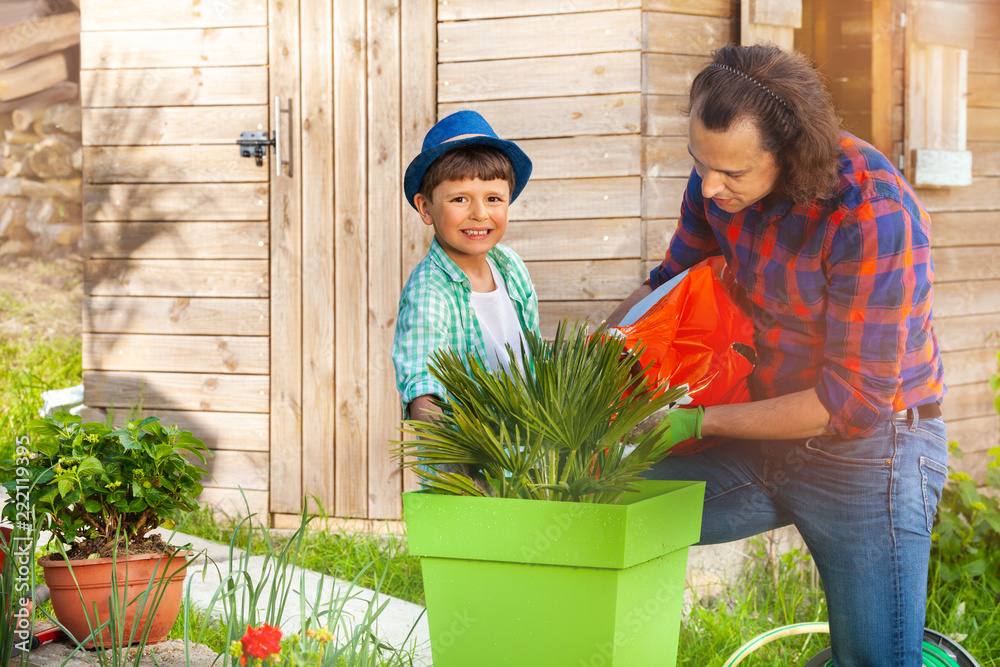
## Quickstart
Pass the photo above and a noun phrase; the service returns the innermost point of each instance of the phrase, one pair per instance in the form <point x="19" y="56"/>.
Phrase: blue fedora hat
<point x="463" y="128"/>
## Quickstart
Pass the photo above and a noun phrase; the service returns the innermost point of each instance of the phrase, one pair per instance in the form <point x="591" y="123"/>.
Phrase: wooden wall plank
<point x="662" y="197"/>
<point x="688" y="35"/>
<point x="969" y="366"/>
<point x="966" y="263"/>
<point x="145" y="14"/>
<point x="983" y="125"/>
<point x="985" y="158"/>
<point x="176" y="315"/>
<point x="181" y="354"/>
<point x="318" y="298"/>
<point x="668" y="157"/>
<point x="539" y="77"/>
<point x="564" y="35"/>
<point x="285" y="405"/>
<point x="160" y="126"/>
<point x="984" y="90"/>
<point x="557" y="116"/>
<point x="982" y="195"/>
<point x="986" y="19"/>
<point x="664" y="117"/>
<point x="176" y="277"/>
<point x="551" y="313"/>
<point x="242" y="431"/>
<point x="170" y="164"/>
<point x="459" y="10"/>
<point x="578" y="198"/>
<point x="199" y="47"/>
<point x="658" y="235"/>
<point x="216" y="201"/>
<point x="959" y="228"/>
<point x="967" y="298"/>
<point x="236" y="503"/>
<point x="975" y="436"/>
<point x="602" y="238"/>
<point x="665" y="74"/>
<point x="176" y="391"/>
<point x="182" y="86"/>
<point x="966" y="401"/>
<point x="967" y="332"/>
<point x="231" y="469"/>
<point x="350" y="246"/>
<point x="583" y="157"/>
<point x="385" y="481"/>
<point x="985" y="56"/>
<point x="418" y="75"/>
<point x="606" y="280"/>
<point x="169" y="240"/>
<point x="720" y="8"/>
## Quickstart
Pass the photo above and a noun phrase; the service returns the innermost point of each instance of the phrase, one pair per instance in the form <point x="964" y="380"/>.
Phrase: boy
<point x="469" y="293"/>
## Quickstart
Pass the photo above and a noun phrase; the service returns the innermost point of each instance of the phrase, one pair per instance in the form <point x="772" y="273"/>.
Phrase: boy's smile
<point x="469" y="217"/>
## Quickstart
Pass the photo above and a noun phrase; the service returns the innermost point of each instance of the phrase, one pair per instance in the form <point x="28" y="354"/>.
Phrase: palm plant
<point x="556" y="427"/>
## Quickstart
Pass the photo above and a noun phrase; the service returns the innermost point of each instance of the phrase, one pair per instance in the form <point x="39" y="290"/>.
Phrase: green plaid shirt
<point x="435" y="311"/>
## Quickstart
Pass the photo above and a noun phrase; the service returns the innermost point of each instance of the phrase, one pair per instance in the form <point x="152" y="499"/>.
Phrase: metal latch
<point x="254" y="144"/>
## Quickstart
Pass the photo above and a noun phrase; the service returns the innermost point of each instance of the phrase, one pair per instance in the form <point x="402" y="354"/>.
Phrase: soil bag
<point x="697" y="334"/>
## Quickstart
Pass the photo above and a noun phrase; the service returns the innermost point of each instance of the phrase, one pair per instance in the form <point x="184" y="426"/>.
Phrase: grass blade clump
<point x="554" y="427"/>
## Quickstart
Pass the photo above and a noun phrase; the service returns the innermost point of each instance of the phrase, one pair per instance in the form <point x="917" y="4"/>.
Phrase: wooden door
<point x="176" y="286"/>
<point x="342" y="243"/>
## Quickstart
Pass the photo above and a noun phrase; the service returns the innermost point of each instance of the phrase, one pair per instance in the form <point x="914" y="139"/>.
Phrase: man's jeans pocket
<point x="932" y="479"/>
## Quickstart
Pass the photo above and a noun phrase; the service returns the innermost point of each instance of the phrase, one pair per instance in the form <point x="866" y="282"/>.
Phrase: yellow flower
<point x="978" y="506"/>
<point x="960" y="477"/>
<point x="322" y="635"/>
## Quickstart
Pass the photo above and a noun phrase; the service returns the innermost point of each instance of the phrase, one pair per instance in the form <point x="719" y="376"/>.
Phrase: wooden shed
<point x="256" y="305"/>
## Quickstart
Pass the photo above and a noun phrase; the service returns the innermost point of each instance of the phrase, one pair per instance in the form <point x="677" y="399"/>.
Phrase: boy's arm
<point x="422" y="408"/>
<point x="423" y="326"/>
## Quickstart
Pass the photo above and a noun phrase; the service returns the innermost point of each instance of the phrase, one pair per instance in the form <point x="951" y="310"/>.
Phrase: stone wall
<point x="40" y="122"/>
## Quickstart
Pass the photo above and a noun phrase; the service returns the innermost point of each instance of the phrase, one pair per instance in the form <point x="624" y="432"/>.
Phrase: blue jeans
<point x="864" y="507"/>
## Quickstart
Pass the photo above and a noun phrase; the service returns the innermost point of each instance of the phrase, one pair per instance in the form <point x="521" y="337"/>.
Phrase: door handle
<point x="280" y="161"/>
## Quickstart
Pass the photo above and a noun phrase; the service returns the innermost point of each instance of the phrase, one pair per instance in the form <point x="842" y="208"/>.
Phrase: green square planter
<point x="529" y="582"/>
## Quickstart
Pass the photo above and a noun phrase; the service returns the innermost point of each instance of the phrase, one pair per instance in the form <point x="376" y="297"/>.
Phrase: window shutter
<point x="938" y="40"/>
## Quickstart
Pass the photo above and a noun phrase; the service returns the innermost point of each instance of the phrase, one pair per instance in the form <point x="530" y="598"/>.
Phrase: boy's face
<point x="469" y="217"/>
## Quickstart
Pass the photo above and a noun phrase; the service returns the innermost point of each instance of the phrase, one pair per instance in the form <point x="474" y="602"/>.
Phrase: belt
<point x="925" y="411"/>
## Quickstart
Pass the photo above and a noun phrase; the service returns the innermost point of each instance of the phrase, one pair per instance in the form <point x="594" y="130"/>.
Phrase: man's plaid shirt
<point x="840" y="289"/>
<point x="435" y="311"/>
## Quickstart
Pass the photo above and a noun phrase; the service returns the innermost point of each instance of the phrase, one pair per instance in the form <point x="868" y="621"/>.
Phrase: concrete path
<point x="400" y="624"/>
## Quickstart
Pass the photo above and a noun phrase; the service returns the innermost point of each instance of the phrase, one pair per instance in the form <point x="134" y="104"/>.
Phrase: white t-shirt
<point x="498" y="321"/>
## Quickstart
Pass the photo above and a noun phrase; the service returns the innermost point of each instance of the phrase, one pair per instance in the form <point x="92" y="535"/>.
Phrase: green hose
<point x="932" y="655"/>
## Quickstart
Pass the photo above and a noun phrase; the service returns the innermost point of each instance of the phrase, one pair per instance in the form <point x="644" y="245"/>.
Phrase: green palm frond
<point x="554" y="427"/>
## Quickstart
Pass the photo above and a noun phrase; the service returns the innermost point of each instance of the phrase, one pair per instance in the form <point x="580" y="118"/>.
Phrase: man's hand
<point x="684" y="424"/>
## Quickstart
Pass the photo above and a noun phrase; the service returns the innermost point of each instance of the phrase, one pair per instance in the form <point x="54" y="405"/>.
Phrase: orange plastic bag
<point x="698" y="335"/>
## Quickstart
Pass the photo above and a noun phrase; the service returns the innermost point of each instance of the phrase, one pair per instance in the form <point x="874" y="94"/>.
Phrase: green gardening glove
<point x="676" y="426"/>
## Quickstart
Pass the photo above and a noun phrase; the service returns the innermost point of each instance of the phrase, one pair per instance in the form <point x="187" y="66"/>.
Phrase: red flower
<point x="262" y="642"/>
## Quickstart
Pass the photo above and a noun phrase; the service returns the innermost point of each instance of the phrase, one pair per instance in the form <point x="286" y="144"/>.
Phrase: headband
<point x="752" y="80"/>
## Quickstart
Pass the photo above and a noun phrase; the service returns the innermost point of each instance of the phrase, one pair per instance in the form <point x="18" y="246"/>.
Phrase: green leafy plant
<point x="555" y="427"/>
<point x="91" y="480"/>
<point x="966" y="533"/>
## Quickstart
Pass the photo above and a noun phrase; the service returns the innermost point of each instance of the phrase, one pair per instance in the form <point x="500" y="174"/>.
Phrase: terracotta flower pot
<point x="93" y="581"/>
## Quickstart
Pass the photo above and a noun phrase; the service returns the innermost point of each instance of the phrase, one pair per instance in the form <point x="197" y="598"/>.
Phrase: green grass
<point x="29" y="366"/>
